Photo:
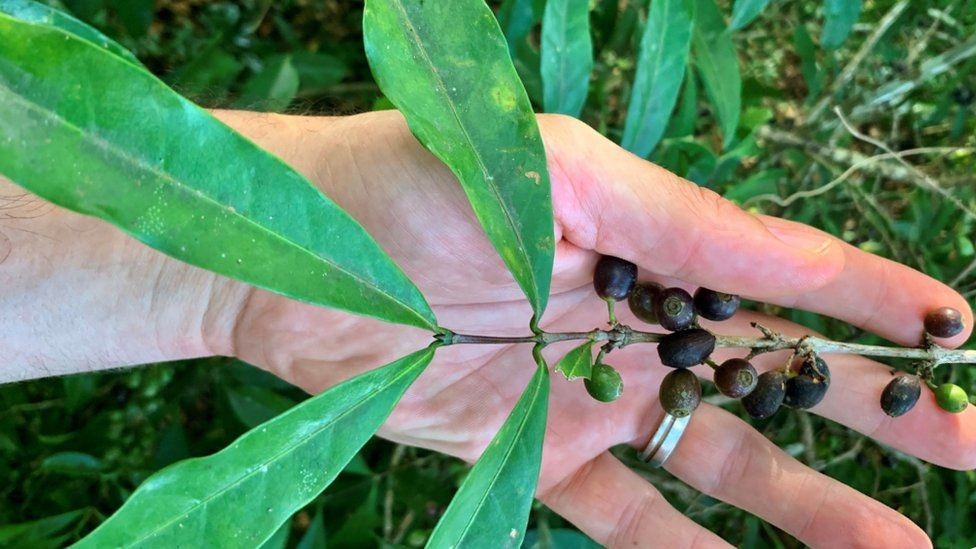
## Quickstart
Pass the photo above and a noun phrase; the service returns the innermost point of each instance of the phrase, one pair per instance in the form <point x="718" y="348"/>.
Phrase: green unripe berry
<point x="715" y="305"/>
<point x="900" y="395"/>
<point x="768" y="395"/>
<point x="641" y="301"/>
<point x="686" y="348"/>
<point x="680" y="393"/>
<point x="735" y="378"/>
<point x="614" y="278"/>
<point x="675" y="309"/>
<point x="605" y="383"/>
<point x="951" y="397"/>
<point x="944" y="322"/>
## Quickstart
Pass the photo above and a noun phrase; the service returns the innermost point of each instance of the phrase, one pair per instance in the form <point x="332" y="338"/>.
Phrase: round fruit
<point x="614" y="278"/>
<point x="944" y="322"/>
<point x="641" y="301"/>
<point x="804" y="391"/>
<point x="685" y="348"/>
<point x="736" y="378"/>
<point x="817" y="369"/>
<point x="900" y="395"/>
<point x="675" y="309"/>
<point x="951" y="397"/>
<point x="604" y="383"/>
<point x="715" y="305"/>
<point x="680" y="393"/>
<point x="768" y="395"/>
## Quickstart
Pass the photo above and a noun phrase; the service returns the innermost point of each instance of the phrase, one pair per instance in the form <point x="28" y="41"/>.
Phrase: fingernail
<point x="808" y="240"/>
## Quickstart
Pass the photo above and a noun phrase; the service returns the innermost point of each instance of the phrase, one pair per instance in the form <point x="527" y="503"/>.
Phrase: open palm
<point x="606" y="201"/>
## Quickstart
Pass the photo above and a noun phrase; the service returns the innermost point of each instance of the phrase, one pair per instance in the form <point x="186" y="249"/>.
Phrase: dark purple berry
<point x="641" y="301"/>
<point x="944" y="322"/>
<point x="604" y="383"/>
<point x="686" y="348"/>
<point x="804" y="391"/>
<point x="680" y="393"/>
<point x="614" y="278"/>
<point x="735" y="378"/>
<point x="675" y="309"/>
<point x="768" y="395"/>
<point x="715" y="305"/>
<point x="900" y="395"/>
<point x="816" y="368"/>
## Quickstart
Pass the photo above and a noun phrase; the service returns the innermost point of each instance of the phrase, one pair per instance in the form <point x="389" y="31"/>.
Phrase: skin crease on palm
<point x="605" y="201"/>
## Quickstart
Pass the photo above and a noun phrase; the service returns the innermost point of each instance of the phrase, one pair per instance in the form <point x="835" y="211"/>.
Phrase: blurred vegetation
<point x="72" y="449"/>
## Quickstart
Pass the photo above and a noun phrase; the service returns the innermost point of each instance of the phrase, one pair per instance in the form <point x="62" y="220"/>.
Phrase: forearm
<point x="77" y="294"/>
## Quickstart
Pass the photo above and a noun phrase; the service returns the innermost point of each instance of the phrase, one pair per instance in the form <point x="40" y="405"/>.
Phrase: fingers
<point x="881" y="296"/>
<point x="617" y="508"/>
<point x="608" y="200"/>
<point x="927" y="431"/>
<point x="725" y="458"/>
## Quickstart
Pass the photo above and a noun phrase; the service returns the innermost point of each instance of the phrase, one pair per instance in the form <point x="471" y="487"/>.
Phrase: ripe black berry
<point x="685" y="348"/>
<point x="804" y="391"/>
<point x="900" y="395"/>
<point x="675" y="309"/>
<point x="768" y="395"/>
<point x="816" y="368"/>
<point x="680" y="393"/>
<point x="735" y="378"/>
<point x="641" y="301"/>
<point x="604" y="383"/>
<point x="614" y="277"/>
<point x="944" y="322"/>
<point x="715" y="305"/>
<point x="951" y="398"/>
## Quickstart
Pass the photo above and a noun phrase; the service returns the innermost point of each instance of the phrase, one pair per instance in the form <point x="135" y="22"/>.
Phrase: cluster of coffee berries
<point x="902" y="393"/>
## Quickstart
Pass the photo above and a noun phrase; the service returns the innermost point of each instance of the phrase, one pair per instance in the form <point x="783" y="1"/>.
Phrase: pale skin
<point x="78" y="295"/>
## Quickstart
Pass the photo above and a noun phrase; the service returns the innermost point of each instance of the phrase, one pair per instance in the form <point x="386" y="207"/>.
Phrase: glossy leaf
<point x="491" y="508"/>
<point x="516" y="18"/>
<point x="745" y="11"/>
<point x="718" y="66"/>
<point x="272" y="89"/>
<point x="839" y="19"/>
<point x="95" y="134"/>
<point x="567" y="55"/>
<point x="240" y="496"/>
<point x="661" y="61"/>
<point x="35" y="12"/>
<point x="446" y="66"/>
<point x="577" y="363"/>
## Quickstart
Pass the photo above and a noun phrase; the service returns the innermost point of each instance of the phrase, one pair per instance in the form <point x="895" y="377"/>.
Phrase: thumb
<point x="610" y="201"/>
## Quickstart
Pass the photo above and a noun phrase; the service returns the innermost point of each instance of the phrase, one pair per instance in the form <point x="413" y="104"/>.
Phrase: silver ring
<point x="665" y="440"/>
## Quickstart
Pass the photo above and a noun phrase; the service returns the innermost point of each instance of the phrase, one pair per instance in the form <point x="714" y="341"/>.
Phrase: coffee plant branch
<point x="771" y="341"/>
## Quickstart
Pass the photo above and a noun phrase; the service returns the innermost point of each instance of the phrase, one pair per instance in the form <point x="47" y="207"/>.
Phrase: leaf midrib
<point x="140" y="164"/>
<point x="240" y="480"/>
<point x="657" y="63"/>
<point x="418" y="44"/>
<point x="538" y="381"/>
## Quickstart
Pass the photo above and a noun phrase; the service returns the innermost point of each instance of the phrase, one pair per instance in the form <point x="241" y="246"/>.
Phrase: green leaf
<point x="491" y="508"/>
<point x="516" y="18"/>
<point x="567" y="55"/>
<point x="95" y="134"/>
<point x="272" y="89"/>
<point x="577" y="363"/>
<point x="72" y="464"/>
<point x="745" y="11"/>
<point x="240" y="496"/>
<point x="254" y="405"/>
<point x="314" y="537"/>
<point x="317" y="71"/>
<point x="39" y="533"/>
<point x="839" y="19"/>
<point x="661" y="62"/>
<point x="34" y="12"/>
<point x="464" y="102"/>
<point x="718" y="66"/>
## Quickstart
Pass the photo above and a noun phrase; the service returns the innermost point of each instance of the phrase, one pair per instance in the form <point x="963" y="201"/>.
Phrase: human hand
<point x="606" y="201"/>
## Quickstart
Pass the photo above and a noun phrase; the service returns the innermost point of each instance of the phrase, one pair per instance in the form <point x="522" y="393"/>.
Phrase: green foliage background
<point x="73" y="449"/>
